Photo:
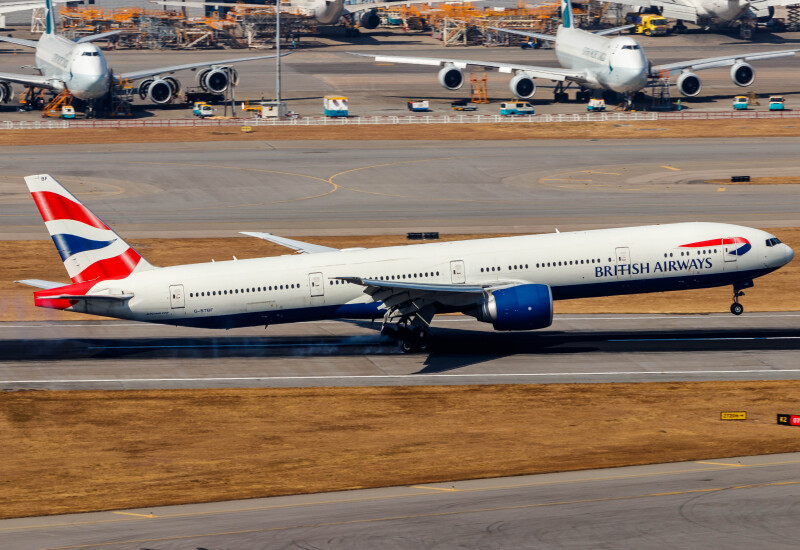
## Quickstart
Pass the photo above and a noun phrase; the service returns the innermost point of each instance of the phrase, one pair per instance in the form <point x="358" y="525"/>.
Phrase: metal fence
<point x="373" y="120"/>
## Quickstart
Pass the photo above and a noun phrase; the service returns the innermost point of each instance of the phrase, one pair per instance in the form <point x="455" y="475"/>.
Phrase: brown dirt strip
<point x="783" y="180"/>
<point x="96" y="450"/>
<point x="38" y="260"/>
<point x="500" y="131"/>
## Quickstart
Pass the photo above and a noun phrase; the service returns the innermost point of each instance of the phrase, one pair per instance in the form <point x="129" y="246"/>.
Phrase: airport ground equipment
<point x="776" y="103"/>
<point x="202" y="110"/>
<point x="596" y="105"/>
<point x="463" y="105"/>
<point x="516" y="108"/>
<point x="418" y="105"/>
<point x="335" y="106"/>
<point x="740" y="102"/>
<point x="647" y="24"/>
<point x="478" y="88"/>
<point x="273" y="109"/>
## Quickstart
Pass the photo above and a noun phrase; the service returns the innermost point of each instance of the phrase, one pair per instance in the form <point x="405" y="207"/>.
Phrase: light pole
<point x="278" y="52"/>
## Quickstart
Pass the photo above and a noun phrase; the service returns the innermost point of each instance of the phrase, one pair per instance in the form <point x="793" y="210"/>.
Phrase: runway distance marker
<point x="728" y="415"/>
<point x="789" y="420"/>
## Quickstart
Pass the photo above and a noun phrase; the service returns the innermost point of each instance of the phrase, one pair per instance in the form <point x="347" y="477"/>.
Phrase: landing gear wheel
<point x="737" y="308"/>
<point x="412" y="340"/>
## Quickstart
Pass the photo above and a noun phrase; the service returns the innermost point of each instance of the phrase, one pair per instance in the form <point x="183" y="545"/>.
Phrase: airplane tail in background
<point x="90" y="250"/>
<point x="567" y="20"/>
<point x="50" y="17"/>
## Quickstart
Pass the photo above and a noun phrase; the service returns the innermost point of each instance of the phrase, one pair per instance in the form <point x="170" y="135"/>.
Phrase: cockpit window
<point x="630" y="47"/>
<point x="91" y="54"/>
<point x="773" y="241"/>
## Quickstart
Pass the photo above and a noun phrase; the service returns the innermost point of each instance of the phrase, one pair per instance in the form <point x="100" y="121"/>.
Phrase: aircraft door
<point x="457" y="274"/>
<point x="729" y="249"/>
<point x="176" y="298"/>
<point x="623" y="255"/>
<point x="316" y="284"/>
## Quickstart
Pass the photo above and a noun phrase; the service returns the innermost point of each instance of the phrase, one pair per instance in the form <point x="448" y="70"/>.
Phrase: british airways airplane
<point x="510" y="282"/>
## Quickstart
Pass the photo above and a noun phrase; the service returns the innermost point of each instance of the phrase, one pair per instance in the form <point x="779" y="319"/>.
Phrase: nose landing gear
<point x="736" y="307"/>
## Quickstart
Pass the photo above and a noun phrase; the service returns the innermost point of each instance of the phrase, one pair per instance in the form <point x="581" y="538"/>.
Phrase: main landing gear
<point x="736" y="307"/>
<point x="412" y="331"/>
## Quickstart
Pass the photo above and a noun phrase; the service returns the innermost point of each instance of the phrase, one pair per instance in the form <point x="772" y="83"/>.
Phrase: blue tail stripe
<point x="69" y="245"/>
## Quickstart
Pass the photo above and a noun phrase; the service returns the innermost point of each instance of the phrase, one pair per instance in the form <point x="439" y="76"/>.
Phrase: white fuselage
<point x="80" y="68"/>
<point x="617" y="64"/>
<point x="721" y="11"/>
<point x="580" y="264"/>
<point x="325" y="12"/>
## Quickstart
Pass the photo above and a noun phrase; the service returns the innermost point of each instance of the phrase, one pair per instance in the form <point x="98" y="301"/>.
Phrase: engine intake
<point x="214" y="80"/>
<point x="522" y="86"/>
<point x="160" y="91"/>
<point x="521" y="307"/>
<point x="689" y="84"/>
<point x="451" y="77"/>
<point x="743" y="74"/>
<point x="6" y="91"/>
<point x="369" y="20"/>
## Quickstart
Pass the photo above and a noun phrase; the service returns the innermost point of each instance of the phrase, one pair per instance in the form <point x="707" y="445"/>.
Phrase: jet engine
<point x="522" y="86"/>
<point x="5" y="91"/>
<point x="160" y="91"/>
<point x="214" y="80"/>
<point x="521" y="307"/>
<point x="742" y="74"/>
<point x="451" y="77"/>
<point x="369" y="20"/>
<point x="689" y="84"/>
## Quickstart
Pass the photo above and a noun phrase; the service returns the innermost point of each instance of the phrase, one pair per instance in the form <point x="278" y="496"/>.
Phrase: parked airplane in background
<point x="593" y="62"/>
<point x="80" y="68"/>
<point x="323" y="12"/>
<point x="509" y="282"/>
<point x="711" y="12"/>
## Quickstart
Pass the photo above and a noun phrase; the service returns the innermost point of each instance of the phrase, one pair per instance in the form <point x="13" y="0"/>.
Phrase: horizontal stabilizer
<point x="38" y="283"/>
<point x="300" y="246"/>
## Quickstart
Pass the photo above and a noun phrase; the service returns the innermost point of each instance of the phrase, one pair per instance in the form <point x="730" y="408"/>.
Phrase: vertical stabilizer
<point x="90" y="250"/>
<point x="567" y="20"/>
<point x="49" y="17"/>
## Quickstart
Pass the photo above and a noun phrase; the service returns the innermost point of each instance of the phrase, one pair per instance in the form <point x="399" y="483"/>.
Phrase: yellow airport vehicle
<point x="647" y="24"/>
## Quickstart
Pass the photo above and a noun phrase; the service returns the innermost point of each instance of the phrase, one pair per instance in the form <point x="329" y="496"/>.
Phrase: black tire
<point x="737" y="308"/>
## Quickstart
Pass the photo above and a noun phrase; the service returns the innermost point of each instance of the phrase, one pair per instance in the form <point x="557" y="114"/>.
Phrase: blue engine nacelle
<point x="521" y="307"/>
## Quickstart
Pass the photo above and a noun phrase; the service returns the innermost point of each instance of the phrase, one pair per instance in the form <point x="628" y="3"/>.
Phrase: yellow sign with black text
<point x="733" y="416"/>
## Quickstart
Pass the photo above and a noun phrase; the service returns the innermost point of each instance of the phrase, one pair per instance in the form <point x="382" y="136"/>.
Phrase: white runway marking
<point x="400" y="376"/>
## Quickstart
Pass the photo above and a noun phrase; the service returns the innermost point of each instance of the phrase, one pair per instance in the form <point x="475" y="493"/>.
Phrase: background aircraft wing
<point x="722" y="61"/>
<point x="669" y="8"/>
<point x="300" y="246"/>
<point x="39" y="283"/>
<point x="539" y="35"/>
<point x="550" y="73"/>
<point x="613" y="30"/>
<point x="30" y="80"/>
<point x="136" y="75"/>
<point x="19" y="41"/>
<point x="98" y="36"/>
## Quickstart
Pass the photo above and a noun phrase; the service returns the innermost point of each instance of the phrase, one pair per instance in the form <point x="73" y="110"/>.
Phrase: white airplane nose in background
<point x="789" y="254"/>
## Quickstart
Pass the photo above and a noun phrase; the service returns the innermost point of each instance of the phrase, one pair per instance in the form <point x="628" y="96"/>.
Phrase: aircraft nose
<point x="789" y="254"/>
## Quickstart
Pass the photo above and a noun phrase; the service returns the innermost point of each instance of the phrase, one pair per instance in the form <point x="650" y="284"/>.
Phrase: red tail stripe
<point x="117" y="267"/>
<point x="716" y="242"/>
<point x="56" y="207"/>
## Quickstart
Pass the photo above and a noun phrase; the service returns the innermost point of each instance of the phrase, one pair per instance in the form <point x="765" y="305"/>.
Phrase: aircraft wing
<point x="31" y="80"/>
<point x="409" y="298"/>
<point x="722" y="61"/>
<point x="98" y="36"/>
<point x="136" y="75"/>
<point x="614" y="30"/>
<point x="549" y="73"/>
<point x="19" y="41"/>
<point x="300" y="246"/>
<point x="669" y="8"/>
<point x="540" y="36"/>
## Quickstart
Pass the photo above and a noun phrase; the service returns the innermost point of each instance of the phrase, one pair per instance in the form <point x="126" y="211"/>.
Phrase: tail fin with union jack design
<point x="90" y="250"/>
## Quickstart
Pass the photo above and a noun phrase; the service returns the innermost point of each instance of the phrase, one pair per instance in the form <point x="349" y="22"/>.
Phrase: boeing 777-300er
<point x="594" y="62"/>
<point x="510" y="282"/>
<point x="80" y="68"/>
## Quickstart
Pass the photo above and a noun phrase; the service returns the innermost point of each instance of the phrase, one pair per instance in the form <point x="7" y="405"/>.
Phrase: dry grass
<point x="38" y="260"/>
<point x="570" y="130"/>
<point x="93" y="450"/>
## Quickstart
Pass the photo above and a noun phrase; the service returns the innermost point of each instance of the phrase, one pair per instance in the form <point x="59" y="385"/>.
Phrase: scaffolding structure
<point x="478" y="88"/>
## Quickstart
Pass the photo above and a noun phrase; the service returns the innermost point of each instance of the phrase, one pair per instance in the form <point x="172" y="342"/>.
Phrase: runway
<point x="328" y="188"/>
<point x="733" y="503"/>
<point x="577" y="348"/>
